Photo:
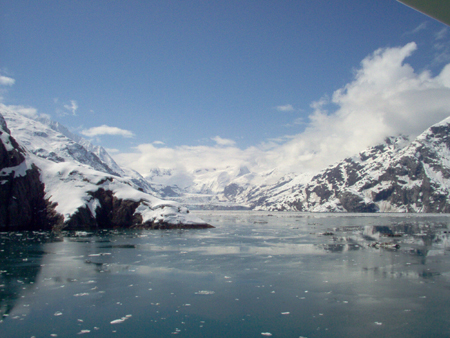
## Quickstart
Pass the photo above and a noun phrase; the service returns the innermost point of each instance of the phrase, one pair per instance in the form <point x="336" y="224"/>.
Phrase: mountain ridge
<point x="396" y="176"/>
<point x="56" y="183"/>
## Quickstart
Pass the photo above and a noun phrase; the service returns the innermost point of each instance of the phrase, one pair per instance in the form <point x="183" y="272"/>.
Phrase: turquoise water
<point x="254" y="275"/>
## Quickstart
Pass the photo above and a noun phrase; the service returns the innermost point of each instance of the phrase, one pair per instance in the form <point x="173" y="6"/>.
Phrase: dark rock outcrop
<point x="113" y="213"/>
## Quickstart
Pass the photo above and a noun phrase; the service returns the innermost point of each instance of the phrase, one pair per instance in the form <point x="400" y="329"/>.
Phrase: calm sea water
<point x="254" y="275"/>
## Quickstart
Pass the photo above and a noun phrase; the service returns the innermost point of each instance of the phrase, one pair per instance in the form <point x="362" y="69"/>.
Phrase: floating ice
<point x="285" y="313"/>
<point x="205" y="292"/>
<point x="121" y="320"/>
<point x="58" y="313"/>
<point x="266" y="334"/>
<point x="84" y="331"/>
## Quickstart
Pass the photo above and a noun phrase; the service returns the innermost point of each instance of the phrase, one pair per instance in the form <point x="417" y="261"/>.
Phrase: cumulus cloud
<point x="223" y="141"/>
<point x="106" y="130"/>
<point x="387" y="97"/>
<point x="6" y="81"/>
<point x="187" y="159"/>
<point x="285" y="108"/>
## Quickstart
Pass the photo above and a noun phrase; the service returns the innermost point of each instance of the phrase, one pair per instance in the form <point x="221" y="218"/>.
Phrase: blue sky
<point x="197" y="73"/>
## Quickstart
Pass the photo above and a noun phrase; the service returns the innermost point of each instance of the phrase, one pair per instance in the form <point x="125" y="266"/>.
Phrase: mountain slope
<point x="83" y="191"/>
<point x="98" y="151"/>
<point x="51" y="140"/>
<point x="44" y="141"/>
<point x="396" y="176"/>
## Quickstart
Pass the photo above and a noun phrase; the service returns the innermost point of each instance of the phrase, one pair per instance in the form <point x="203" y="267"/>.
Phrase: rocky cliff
<point x="23" y="204"/>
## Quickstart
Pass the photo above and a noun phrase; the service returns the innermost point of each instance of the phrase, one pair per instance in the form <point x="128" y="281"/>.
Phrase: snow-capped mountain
<point x="49" y="180"/>
<point x="51" y="140"/>
<point x="396" y="176"/>
<point x="46" y="141"/>
<point x="99" y="151"/>
<point x="266" y="193"/>
<point x="229" y="187"/>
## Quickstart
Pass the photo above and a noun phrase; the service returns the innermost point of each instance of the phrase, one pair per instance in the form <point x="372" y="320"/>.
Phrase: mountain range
<point x="398" y="175"/>
<point x="53" y="179"/>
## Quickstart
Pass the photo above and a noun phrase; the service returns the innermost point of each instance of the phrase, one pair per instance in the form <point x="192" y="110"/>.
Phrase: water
<point x="254" y="275"/>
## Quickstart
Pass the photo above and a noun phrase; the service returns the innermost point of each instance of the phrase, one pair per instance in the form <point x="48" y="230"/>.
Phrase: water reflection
<point x="288" y="274"/>
<point x="21" y="254"/>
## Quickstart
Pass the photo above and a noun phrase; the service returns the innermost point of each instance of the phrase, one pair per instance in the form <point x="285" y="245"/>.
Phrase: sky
<point x="291" y="84"/>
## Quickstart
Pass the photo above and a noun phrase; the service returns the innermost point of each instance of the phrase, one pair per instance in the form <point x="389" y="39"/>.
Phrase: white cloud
<point x="26" y="111"/>
<point x="441" y="34"/>
<point x="441" y="47"/>
<point x="72" y="107"/>
<point x="65" y="109"/>
<point x="158" y="142"/>
<point x="106" y="130"/>
<point x="223" y="141"/>
<point x="187" y="159"/>
<point x="6" y="81"/>
<point x="419" y="28"/>
<point x="285" y="108"/>
<point x="386" y="97"/>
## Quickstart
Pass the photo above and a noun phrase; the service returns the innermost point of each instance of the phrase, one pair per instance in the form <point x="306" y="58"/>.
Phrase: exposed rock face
<point x="396" y="176"/>
<point x="113" y="213"/>
<point x="23" y="204"/>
